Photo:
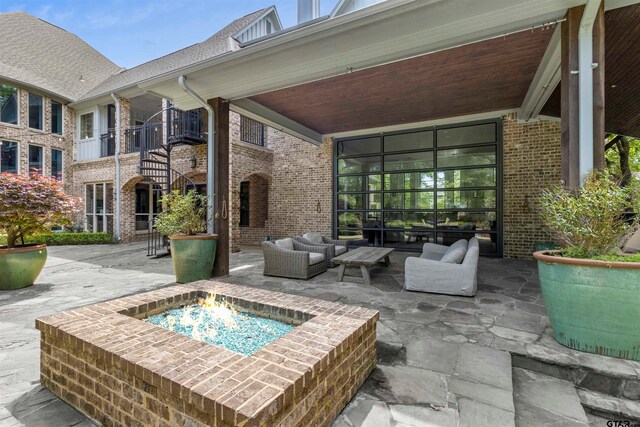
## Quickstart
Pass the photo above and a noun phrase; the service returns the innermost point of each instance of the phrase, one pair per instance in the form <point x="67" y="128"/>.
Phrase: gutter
<point x="585" y="78"/>
<point x="117" y="157"/>
<point x="182" y="82"/>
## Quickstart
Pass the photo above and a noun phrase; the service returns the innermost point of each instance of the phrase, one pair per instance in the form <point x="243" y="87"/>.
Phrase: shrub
<point x="61" y="239"/>
<point x="589" y="222"/>
<point x="182" y="214"/>
<point x="32" y="204"/>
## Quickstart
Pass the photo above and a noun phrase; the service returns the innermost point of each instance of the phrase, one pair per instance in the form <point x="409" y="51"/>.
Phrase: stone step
<point x="434" y="383"/>
<point x="545" y="400"/>
<point x="610" y="407"/>
<point x="615" y="377"/>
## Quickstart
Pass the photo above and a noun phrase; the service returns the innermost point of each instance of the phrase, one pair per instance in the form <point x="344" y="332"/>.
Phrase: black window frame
<point x="380" y="230"/>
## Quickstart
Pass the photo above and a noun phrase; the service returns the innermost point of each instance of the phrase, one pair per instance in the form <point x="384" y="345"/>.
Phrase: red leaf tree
<point x="32" y="204"/>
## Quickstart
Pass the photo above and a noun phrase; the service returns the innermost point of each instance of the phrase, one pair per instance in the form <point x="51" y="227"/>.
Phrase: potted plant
<point x="183" y="221"/>
<point x="29" y="205"/>
<point x="590" y="289"/>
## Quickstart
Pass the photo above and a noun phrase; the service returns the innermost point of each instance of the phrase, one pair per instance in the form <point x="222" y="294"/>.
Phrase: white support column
<point x="585" y="78"/>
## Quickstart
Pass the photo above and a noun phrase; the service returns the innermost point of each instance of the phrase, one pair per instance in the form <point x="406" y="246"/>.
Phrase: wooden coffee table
<point x="363" y="257"/>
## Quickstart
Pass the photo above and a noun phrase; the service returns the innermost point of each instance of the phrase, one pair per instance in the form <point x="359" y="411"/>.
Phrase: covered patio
<point x="441" y="359"/>
<point x="402" y="68"/>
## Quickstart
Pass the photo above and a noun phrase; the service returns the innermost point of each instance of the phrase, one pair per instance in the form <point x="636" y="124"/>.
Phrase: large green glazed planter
<point x="193" y="256"/>
<point x="593" y="306"/>
<point x="21" y="266"/>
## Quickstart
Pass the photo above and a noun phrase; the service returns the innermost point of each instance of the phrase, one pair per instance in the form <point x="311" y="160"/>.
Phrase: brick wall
<point x="532" y="163"/>
<point x="44" y="138"/>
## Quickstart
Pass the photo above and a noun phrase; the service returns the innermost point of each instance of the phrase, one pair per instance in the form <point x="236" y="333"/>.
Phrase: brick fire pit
<point x="106" y="362"/>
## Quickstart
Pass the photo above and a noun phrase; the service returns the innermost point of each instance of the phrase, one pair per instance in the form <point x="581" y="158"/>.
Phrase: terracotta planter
<point x="593" y="306"/>
<point x="193" y="256"/>
<point x="21" y="266"/>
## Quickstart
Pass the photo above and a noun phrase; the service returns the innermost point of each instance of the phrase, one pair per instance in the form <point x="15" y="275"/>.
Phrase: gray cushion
<point x="285" y="244"/>
<point x="460" y="243"/>
<point x="314" y="237"/>
<point x="315" y="258"/>
<point x="455" y="254"/>
<point x="340" y="250"/>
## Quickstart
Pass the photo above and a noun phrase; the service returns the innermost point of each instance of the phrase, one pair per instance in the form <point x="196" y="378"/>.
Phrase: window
<point x="35" y="111"/>
<point x="251" y="131"/>
<point x="148" y="205"/>
<point x="56" y="164"/>
<point x="56" y="117"/>
<point x="8" y="156"/>
<point x="437" y="185"/>
<point x="36" y="161"/>
<point x="244" y="204"/>
<point x="8" y="105"/>
<point x="86" y="126"/>
<point x="99" y="207"/>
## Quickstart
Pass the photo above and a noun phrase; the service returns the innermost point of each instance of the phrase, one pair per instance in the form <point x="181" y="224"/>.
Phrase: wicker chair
<point x="329" y="243"/>
<point x="294" y="264"/>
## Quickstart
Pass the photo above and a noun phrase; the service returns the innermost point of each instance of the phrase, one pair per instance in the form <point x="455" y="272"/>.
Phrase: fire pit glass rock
<point x="219" y="323"/>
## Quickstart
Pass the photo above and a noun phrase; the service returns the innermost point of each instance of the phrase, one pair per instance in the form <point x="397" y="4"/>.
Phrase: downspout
<point x="117" y="154"/>
<point x="182" y="82"/>
<point x="585" y="78"/>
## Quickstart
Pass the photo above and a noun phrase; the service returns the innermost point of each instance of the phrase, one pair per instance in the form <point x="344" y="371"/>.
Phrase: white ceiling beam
<point x="262" y="114"/>
<point x="544" y="81"/>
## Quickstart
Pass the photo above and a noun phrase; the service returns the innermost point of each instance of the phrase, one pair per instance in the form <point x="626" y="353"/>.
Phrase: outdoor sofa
<point x="335" y="247"/>
<point x="295" y="260"/>
<point x="443" y="269"/>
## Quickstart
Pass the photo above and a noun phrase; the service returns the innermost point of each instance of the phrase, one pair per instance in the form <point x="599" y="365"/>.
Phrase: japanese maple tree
<point x="31" y="204"/>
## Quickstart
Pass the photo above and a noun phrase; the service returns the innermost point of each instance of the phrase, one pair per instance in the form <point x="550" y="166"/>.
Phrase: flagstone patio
<point x="442" y="360"/>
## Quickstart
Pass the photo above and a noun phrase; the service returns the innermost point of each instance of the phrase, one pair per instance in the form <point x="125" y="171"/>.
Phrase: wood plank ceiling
<point x="485" y="76"/>
<point x="622" y="73"/>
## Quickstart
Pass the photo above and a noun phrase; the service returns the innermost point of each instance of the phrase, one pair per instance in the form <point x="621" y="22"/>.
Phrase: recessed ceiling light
<point x="614" y="85"/>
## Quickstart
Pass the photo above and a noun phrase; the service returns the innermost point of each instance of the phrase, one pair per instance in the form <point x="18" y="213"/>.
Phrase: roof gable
<point x="268" y="23"/>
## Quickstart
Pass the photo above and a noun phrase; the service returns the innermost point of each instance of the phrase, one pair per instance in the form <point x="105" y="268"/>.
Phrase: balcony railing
<point x="251" y="131"/>
<point x="108" y="143"/>
<point x="152" y="135"/>
<point x="186" y="126"/>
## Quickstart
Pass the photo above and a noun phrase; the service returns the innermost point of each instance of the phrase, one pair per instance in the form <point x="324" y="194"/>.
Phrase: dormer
<point x="267" y="23"/>
<point x="346" y="6"/>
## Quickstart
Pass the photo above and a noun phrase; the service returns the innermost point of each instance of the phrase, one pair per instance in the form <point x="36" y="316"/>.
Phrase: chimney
<point x="308" y="10"/>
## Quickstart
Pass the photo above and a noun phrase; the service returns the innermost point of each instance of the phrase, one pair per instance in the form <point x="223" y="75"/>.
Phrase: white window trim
<point x="44" y="169"/>
<point x="42" y="115"/>
<point x="18" y="95"/>
<point x="17" y="150"/>
<point x="95" y="124"/>
<point x="61" y="162"/>
<point x="95" y="215"/>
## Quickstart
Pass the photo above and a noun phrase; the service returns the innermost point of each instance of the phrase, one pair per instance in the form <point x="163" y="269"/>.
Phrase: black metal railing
<point x="108" y="143"/>
<point x="147" y="137"/>
<point x="186" y="126"/>
<point x="252" y="131"/>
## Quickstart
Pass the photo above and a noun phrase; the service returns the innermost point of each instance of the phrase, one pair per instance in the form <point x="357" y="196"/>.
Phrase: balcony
<point x="108" y="143"/>
<point x="152" y="135"/>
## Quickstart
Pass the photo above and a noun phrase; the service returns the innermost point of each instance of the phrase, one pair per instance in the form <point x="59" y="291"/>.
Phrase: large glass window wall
<point x="437" y="185"/>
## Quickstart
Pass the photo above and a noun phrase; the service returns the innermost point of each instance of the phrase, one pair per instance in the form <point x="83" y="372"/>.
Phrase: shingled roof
<point x="211" y="47"/>
<point x="38" y="54"/>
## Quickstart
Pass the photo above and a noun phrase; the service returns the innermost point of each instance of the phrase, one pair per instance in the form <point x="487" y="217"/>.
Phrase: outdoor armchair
<point x="300" y="261"/>
<point x="335" y="247"/>
<point x="428" y="273"/>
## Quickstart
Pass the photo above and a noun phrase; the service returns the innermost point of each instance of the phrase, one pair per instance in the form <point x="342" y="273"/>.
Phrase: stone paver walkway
<point x="443" y="360"/>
